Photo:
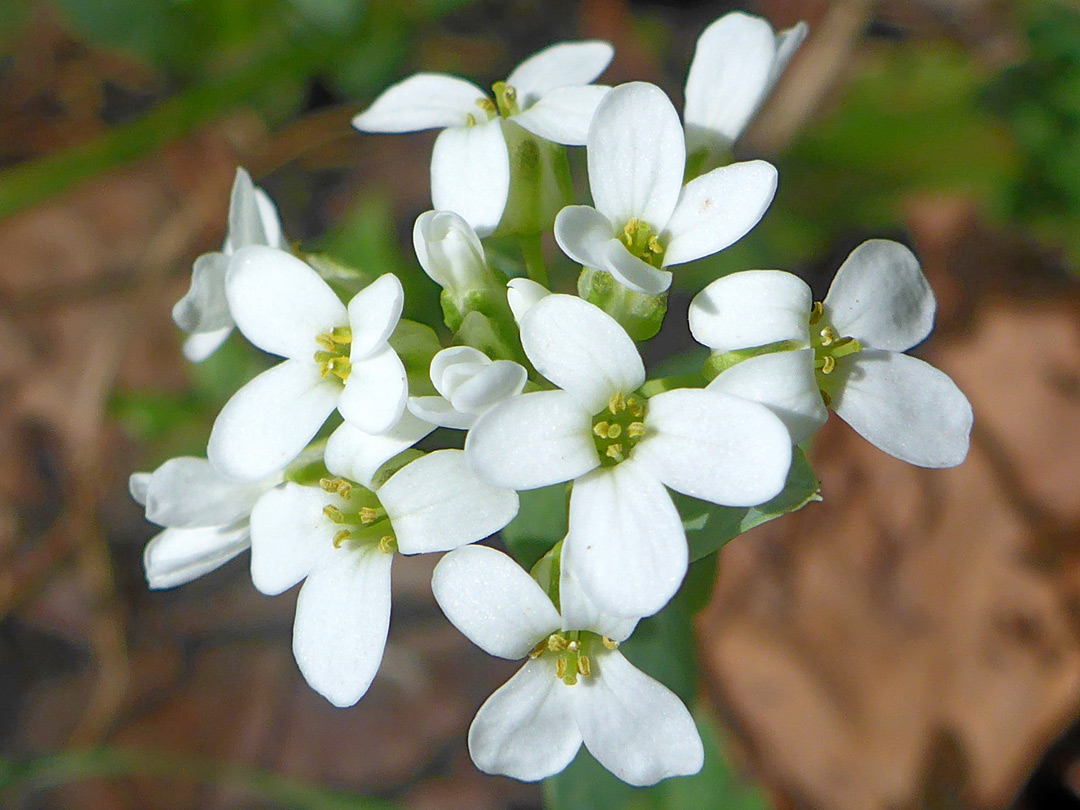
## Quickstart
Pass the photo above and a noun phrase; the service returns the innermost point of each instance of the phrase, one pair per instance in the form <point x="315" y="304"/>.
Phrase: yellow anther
<point x="601" y="429"/>
<point x="617" y="403"/>
<point x="326" y="342"/>
<point x="635" y="430"/>
<point x="560" y="669"/>
<point x="341" y="537"/>
<point x="636" y="407"/>
<point x="336" y="485"/>
<point x="615" y="452"/>
<point x="387" y="544"/>
<point x="368" y="515"/>
<point x="573" y="646"/>
<point x="828" y="364"/>
<point x="614" y="431"/>
<point x="583" y="667"/>
<point x="470" y="120"/>
<point x="538" y="650"/>
<point x="341" y="335"/>
<point x="556" y="643"/>
<point x="334" y="513"/>
<point x="816" y="311"/>
<point x="487" y="105"/>
<point x="828" y="336"/>
<point x="654" y="245"/>
<point x="611" y="645"/>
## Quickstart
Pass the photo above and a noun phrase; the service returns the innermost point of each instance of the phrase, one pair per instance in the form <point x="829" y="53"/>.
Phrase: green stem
<point x="533" y="252"/>
<point x="661" y="384"/>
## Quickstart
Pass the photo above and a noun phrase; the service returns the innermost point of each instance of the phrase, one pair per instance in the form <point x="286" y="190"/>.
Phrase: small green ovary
<point x="573" y="652"/>
<point x="641" y="241"/>
<point x="829" y="346"/>
<point x="332" y="356"/>
<point x="619" y="427"/>
<point x="362" y="518"/>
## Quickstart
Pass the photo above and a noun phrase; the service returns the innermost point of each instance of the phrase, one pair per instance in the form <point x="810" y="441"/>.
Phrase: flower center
<point x="506" y="99"/>
<point x="362" y="518"/>
<point x="828" y="347"/>
<point x="571" y="651"/>
<point x="333" y="353"/>
<point x="640" y="240"/>
<point x="618" y="428"/>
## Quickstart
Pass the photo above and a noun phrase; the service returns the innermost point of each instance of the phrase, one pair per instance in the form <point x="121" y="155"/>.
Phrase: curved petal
<point x="522" y="293"/>
<point x="752" y="308"/>
<point x="636" y="155"/>
<point x="437" y="503"/>
<point x="356" y="455"/>
<point x="783" y="381"/>
<point x="632" y="272"/>
<point x="200" y="345"/>
<point x="470" y="174"/>
<point x="204" y="307"/>
<point x="246" y="225"/>
<point x="581" y="349"/>
<point x="342" y="617"/>
<point x="374" y="313"/>
<point x="730" y="76"/>
<point x="719" y="208"/>
<point x="178" y="556"/>
<point x="532" y="440"/>
<point x="449" y="251"/>
<point x="716" y="447"/>
<point x="881" y="297"/>
<point x="454" y="358"/>
<point x="564" y="114"/>
<point x="271" y="221"/>
<point x="422" y="101"/>
<point x="438" y="412"/>
<point x="500" y="380"/>
<point x="526" y="729"/>
<point x="635" y="726"/>
<point x="583" y="234"/>
<point x="579" y="611"/>
<point x="138" y="486"/>
<point x="279" y="303"/>
<point x="186" y="493"/>
<point x="289" y="532"/>
<point x="270" y="420"/>
<point x="904" y="406"/>
<point x="374" y="395"/>
<point x="559" y="65"/>
<point x="493" y="601"/>
<point x="626" y="542"/>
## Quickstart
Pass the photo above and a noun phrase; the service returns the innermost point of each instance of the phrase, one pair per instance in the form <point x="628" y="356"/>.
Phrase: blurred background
<point x="913" y="641"/>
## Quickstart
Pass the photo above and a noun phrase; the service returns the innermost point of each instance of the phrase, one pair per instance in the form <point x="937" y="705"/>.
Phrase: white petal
<point x="270" y="420"/>
<point x="438" y="412"/>
<point x="186" y="493"/>
<point x="200" y="345"/>
<point x="177" y="556"/>
<point x="437" y="503"/>
<point x="271" y="222"/>
<point x="374" y="313"/>
<point x="279" y="303"/>
<point x="138" y="486"/>
<point x="289" y="533"/>
<point x="559" y="65"/>
<point x="906" y="407"/>
<point x="204" y="307"/>
<point x="533" y="440"/>
<point x="453" y="358"/>
<point x="579" y="611"/>
<point x="522" y="293"/>
<point x="730" y="76"/>
<point x="563" y="115"/>
<point x="787" y="42"/>
<point x="374" y="395"/>
<point x="632" y="272"/>
<point x="635" y="726"/>
<point x="500" y="380"/>
<point x="881" y="297"/>
<point x="752" y="308"/>
<point x="423" y="101"/>
<point x="449" y="251"/>
<point x="626" y="542"/>
<point x="636" y="155"/>
<point x="493" y="601"/>
<point x="470" y="174"/>
<point x="719" y="208"/>
<point x="785" y="382"/>
<point x="526" y="729"/>
<point x="581" y="349"/>
<point x="245" y="215"/>
<point x="342" y="616"/>
<point x="716" y="447"/>
<point x="583" y="234"/>
<point x="356" y="455"/>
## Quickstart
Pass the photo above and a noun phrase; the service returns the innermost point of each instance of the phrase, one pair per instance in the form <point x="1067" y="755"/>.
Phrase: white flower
<point x="205" y="515"/>
<point x="576" y="686"/>
<point x="645" y="219"/>
<point x="522" y="293"/>
<point x="450" y="252"/>
<point x="549" y="94"/>
<point x="626" y="540"/>
<point x="203" y="311"/>
<point x="737" y="61"/>
<point x="340" y="540"/>
<point x="845" y="352"/>
<point x="468" y="383"/>
<point x="335" y="358"/>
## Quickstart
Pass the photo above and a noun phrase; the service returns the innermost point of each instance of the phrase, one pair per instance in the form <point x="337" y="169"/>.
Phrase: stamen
<point x="615" y="451"/>
<point x="369" y="515"/>
<point x="556" y="643"/>
<point x="601" y="429"/>
<point x="583" y="666"/>
<point x="828" y="365"/>
<point x="617" y="403"/>
<point x="336" y="485"/>
<point x="618" y="429"/>
<point x="560" y="669"/>
<point x="333" y="359"/>
<point x="816" y="311"/>
<point x="635" y="430"/>
<point x="470" y="120"/>
<point x="387" y="544"/>
<point x="828" y="336"/>
<point x="614" y="431"/>
<point x="334" y="513"/>
<point x="611" y="645"/>
<point x="341" y="537"/>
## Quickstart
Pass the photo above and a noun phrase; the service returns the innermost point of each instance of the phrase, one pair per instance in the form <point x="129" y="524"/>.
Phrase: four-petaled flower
<point x="645" y="219"/>
<point x="575" y="687"/>
<point x="845" y="352"/>
<point x="626" y="540"/>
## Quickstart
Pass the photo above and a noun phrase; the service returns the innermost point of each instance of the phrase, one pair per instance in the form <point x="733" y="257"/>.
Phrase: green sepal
<point x="547" y="571"/>
<point x="641" y="315"/>
<point x="416" y="343"/>
<point x="709" y="527"/>
<point x="490" y="336"/>
<point x="540" y="183"/>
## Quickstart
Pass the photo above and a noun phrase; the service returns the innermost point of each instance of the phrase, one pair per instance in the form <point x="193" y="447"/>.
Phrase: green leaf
<point x="710" y="527"/>
<point x="540" y="524"/>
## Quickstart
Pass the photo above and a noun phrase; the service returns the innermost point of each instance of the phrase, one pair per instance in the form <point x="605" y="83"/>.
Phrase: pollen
<point x="829" y="346"/>
<point x="333" y="354"/>
<point x="619" y="427"/>
<point x="643" y="242"/>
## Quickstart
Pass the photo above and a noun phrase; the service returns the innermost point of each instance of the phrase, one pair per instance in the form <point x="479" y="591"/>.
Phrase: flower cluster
<point x="314" y="463"/>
